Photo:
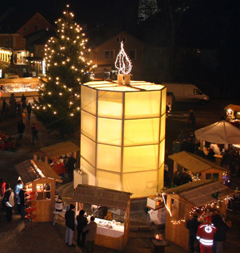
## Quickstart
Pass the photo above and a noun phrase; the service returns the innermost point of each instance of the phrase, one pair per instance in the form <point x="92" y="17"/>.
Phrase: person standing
<point x="220" y="235"/>
<point x="9" y="201"/>
<point x="18" y="187"/>
<point x="29" y="110"/>
<point x="192" y="225"/>
<point x="21" y="128"/>
<point x="70" y="226"/>
<point x="34" y="133"/>
<point x="70" y="166"/>
<point x="191" y="119"/>
<point x="3" y="190"/>
<point x="23" y="99"/>
<point x="91" y="231"/>
<point x="24" y="115"/>
<point x="22" y="201"/>
<point x="205" y="235"/>
<point x="81" y="223"/>
<point x="3" y="106"/>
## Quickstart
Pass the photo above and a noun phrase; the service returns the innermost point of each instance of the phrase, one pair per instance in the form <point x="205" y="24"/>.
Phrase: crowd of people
<point x="207" y="235"/>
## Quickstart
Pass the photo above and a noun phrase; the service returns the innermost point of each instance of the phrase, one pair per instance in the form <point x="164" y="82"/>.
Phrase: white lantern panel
<point x="163" y="127"/>
<point x="89" y="170"/>
<point x="140" y="158"/>
<point x="161" y="178"/>
<point x="110" y="104"/>
<point x="141" y="184"/>
<point x="88" y="125"/>
<point x="88" y="148"/>
<point x="109" y="180"/>
<point x="142" y="104"/>
<point x="163" y="101"/>
<point x="141" y="131"/>
<point x="88" y="99"/>
<point x="109" y="131"/>
<point x="109" y="158"/>
<point x="162" y="153"/>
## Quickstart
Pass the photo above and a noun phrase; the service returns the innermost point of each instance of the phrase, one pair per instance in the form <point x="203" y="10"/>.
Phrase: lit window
<point x="109" y="55"/>
<point x="43" y="191"/>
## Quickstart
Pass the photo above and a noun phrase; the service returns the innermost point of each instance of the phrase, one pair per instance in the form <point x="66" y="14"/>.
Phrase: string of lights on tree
<point x="67" y="67"/>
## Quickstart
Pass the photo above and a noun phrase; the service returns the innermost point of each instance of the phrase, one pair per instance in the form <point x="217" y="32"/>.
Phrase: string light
<point x="123" y="63"/>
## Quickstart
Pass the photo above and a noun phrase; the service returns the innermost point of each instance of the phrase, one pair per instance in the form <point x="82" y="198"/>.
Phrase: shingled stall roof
<point x="194" y="163"/>
<point x="101" y="196"/>
<point x="59" y="149"/>
<point x="201" y="192"/>
<point x="30" y="171"/>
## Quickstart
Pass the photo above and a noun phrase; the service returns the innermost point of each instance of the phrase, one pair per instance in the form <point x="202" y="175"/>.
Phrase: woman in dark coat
<point x="82" y="222"/>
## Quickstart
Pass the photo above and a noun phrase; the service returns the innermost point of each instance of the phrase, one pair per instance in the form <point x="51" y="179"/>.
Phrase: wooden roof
<point x="235" y="108"/>
<point x="59" y="149"/>
<point x="201" y="192"/>
<point x="101" y="196"/>
<point x="30" y="171"/>
<point x="194" y="163"/>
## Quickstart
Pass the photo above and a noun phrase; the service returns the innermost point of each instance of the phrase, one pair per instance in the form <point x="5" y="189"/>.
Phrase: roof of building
<point x="59" y="149"/>
<point x="201" y="192"/>
<point x="192" y="162"/>
<point x="30" y="171"/>
<point x="101" y="196"/>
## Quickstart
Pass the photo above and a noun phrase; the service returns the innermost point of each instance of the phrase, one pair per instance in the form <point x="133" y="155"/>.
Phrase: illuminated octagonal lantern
<point x="123" y="135"/>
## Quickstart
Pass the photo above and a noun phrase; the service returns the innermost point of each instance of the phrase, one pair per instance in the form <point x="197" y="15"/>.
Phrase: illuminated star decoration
<point x="123" y="63"/>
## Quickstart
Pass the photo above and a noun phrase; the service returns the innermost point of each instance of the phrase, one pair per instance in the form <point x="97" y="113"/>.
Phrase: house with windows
<point x="16" y="30"/>
<point x="104" y="55"/>
<point x="201" y="197"/>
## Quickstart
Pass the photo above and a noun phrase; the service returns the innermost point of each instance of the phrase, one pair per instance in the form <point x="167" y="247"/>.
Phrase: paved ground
<point x="24" y="236"/>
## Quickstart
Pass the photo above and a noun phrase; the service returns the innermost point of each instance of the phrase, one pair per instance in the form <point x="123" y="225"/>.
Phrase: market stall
<point x="232" y="113"/>
<point x="198" y="167"/>
<point x="27" y="85"/>
<point x="110" y="233"/>
<point x="40" y="181"/>
<point x="183" y="201"/>
<point x="156" y="209"/>
<point x="56" y="155"/>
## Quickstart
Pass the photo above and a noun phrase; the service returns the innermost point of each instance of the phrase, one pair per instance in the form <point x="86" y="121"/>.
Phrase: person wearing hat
<point x="192" y="226"/>
<point x="70" y="226"/>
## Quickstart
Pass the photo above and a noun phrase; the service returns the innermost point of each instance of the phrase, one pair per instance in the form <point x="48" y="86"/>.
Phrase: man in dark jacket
<point x="70" y="167"/>
<point x="70" y="226"/>
<point x="192" y="226"/>
<point x="21" y="128"/>
<point x="220" y="235"/>
<point x="91" y="230"/>
<point x="82" y="222"/>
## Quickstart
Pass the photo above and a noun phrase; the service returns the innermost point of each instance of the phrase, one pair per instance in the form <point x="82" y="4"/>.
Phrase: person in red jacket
<point x="205" y="235"/>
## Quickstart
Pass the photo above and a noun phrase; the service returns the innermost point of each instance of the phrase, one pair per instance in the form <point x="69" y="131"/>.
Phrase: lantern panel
<point x="141" y="184"/>
<point x="109" y="158"/>
<point x="110" y="104"/>
<point x="88" y="99"/>
<point x="163" y="127"/>
<point x="161" y="177"/>
<point x="88" y="148"/>
<point x="142" y="104"/>
<point x="162" y="153"/>
<point x="140" y="158"/>
<point x="141" y="131"/>
<point x="109" y="131"/>
<point x="163" y="101"/>
<point x="88" y="125"/>
<point x="89" y="170"/>
<point x="109" y="180"/>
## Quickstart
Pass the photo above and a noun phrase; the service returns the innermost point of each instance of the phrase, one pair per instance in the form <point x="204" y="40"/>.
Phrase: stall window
<point x="208" y="176"/>
<point x="43" y="191"/>
<point x="182" y="210"/>
<point x="174" y="207"/>
<point x="216" y="176"/>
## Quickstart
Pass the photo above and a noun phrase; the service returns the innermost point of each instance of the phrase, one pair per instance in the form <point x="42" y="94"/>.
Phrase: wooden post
<point x="120" y="79"/>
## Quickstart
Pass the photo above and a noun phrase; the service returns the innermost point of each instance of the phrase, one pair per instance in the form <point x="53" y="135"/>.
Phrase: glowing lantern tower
<point x="123" y="133"/>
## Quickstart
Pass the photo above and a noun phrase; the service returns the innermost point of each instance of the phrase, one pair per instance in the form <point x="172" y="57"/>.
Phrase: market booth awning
<point x="59" y="149"/>
<point x="200" y="193"/>
<point x="233" y="107"/>
<point x="194" y="163"/>
<point x="101" y="196"/>
<point x="30" y="171"/>
<point x="220" y="132"/>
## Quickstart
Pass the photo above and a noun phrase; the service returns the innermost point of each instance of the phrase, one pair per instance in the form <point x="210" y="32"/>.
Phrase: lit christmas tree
<point x="65" y="55"/>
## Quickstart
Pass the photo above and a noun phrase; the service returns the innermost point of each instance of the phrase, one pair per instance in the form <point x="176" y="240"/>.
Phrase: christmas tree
<point x="58" y="106"/>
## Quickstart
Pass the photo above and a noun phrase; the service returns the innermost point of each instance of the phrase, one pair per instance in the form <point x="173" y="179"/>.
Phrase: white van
<point x="186" y="92"/>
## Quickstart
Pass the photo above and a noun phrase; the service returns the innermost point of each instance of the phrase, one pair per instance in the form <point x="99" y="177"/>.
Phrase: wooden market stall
<point x="56" y="154"/>
<point x="182" y="201"/>
<point x="200" y="167"/>
<point x="40" y="180"/>
<point x="110" y="233"/>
